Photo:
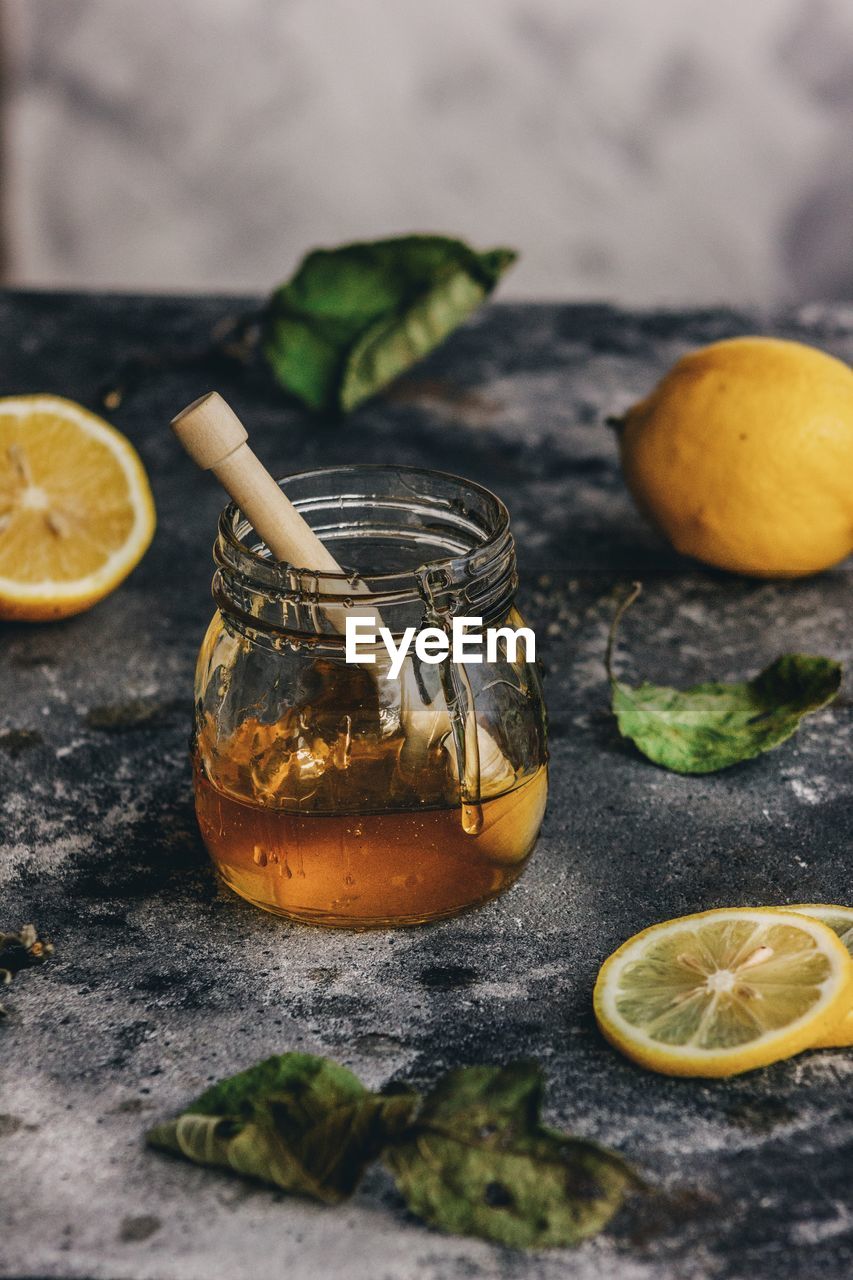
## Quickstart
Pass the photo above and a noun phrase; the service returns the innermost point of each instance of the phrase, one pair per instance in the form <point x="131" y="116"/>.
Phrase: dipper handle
<point x="215" y="438"/>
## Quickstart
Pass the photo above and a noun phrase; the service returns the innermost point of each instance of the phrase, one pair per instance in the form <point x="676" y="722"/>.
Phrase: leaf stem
<point x="631" y="598"/>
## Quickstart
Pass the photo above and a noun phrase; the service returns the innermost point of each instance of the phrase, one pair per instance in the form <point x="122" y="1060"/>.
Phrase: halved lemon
<point x="723" y="991"/>
<point x="840" y="921"/>
<point x="76" y="511"/>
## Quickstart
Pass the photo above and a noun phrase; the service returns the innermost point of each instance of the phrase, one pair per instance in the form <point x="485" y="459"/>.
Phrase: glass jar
<point x="326" y="791"/>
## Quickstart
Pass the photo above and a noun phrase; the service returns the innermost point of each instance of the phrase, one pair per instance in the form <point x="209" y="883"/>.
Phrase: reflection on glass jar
<point x="327" y="791"/>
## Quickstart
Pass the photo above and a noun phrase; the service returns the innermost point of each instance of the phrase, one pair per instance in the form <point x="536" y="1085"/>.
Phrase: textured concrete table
<point x="162" y="981"/>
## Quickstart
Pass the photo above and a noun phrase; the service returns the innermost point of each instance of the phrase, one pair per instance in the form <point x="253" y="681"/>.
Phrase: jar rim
<point x="231" y="519"/>
<point x="478" y="571"/>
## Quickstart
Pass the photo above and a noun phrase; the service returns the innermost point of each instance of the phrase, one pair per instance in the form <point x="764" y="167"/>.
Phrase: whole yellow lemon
<point x="743" y="457"/>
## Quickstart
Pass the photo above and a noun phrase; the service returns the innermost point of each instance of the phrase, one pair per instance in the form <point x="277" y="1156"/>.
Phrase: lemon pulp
<point x="723" y="991"/>
<point x="76" y="512"/>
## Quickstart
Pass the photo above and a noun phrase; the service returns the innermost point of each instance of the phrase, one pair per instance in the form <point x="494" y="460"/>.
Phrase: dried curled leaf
<point x="19" y="951"/>
<point x="297" y="1121"/>
<point x="714" y="725"/>
<point x="477" y="1161"/>
<point x="352" y="319"/>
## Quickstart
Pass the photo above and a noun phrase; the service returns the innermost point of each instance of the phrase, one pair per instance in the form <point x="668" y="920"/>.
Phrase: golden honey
<point x="360" y="864"/>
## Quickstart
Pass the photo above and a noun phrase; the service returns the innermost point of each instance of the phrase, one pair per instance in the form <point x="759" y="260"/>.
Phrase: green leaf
<point x="297" y="1121"/>
<point x="477" y="1161"/>
<point x="299" y="1074"/>
<point x="352" y="319"/>
<point x="713" y="725"/>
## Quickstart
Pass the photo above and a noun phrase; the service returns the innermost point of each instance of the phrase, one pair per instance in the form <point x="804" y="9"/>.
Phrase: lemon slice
<point x="723" y="991"/>
<point x="840" y="921"/>
<point x="76" y="511"/>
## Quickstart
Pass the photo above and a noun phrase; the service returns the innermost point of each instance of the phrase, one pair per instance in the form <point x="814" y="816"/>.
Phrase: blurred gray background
<point x="645" y="151"/>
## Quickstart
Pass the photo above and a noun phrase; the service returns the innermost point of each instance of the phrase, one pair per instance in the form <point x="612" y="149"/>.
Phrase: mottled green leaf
<point x="477" y="1161"/>
<point x="297" y="1121"/>
<point x="352" y="319"/>
<point x="301" y="1075"/>
<point x="713" y="725"/>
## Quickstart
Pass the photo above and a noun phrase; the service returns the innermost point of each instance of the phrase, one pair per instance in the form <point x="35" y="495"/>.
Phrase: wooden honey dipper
<point x="216" y="439"/>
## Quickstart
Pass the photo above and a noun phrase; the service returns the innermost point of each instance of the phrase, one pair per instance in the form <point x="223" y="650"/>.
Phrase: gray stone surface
<point x="162" y="981"/>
